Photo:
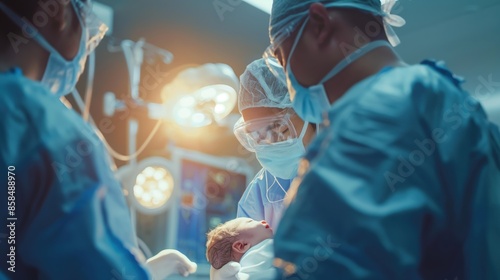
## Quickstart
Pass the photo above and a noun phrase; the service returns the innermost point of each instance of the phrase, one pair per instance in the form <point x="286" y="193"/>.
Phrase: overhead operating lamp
<point x="196" y="97"/>
<point x="201" y="95"/>
<point x="149" y="184"/>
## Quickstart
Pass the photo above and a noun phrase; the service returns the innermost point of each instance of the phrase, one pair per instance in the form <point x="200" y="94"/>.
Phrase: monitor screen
<point x="208" y="196"/>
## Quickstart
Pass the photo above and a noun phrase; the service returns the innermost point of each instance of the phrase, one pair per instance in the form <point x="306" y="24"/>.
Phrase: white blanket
<point x="256" y="264"/>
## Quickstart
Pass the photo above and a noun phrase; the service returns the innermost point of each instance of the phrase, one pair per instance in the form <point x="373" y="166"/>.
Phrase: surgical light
<point x="150" y="184"/>
<point x="153" y="187"/>
<point x="196" y="97"/>
<point x="199" y="96"/>
<point x="209" y="103"/>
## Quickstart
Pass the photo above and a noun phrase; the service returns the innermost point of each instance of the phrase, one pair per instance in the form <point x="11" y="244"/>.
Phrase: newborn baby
<point x="241" y="249"/>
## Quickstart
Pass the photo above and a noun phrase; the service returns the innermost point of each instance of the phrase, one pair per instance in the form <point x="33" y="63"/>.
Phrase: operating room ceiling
<point x="464" y="33"/>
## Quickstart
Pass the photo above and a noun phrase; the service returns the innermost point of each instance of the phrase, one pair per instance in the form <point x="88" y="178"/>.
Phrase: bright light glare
<point x="209" y="103"/>
<point x="219" y="109"/>
<point x="153" y="187"/>
<point x="148" y="172"/>
<point x="222" y="97"/>
<point x="198" y="118"/>
<point x="187" y="101"/>
<point x="138" y="190"/>
<point x="162" y="185"/>
<point x="184" y="113"/>
<point x="141" y="179"/>
<point x="225" y="100"/>
<point x="207" y="93"/>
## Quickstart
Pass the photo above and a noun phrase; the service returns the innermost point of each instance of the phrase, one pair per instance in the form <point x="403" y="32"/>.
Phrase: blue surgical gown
<point x="404" y="183"/>
<point x="72" y="221"/>
<point x="263" y="198"/>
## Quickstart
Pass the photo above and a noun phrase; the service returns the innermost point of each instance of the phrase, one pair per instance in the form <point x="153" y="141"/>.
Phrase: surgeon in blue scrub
<point x="403" y="181"/>
<point x="272" y="130"/>
<point x="66" y="214"/>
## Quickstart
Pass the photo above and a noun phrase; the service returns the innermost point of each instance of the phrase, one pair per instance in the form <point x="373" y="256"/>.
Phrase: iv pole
<point x="134" y="55"/>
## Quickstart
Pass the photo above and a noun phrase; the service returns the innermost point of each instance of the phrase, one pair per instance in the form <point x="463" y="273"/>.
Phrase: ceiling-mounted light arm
<point x="135" y="56"/>
<point x="196" y="97"/>
<point x="152" y="53"/>
<point x="135" y="53"/>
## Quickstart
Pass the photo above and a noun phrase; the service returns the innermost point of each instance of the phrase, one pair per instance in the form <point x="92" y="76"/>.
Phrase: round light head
<point x="210" y="103"/>
<point x="153" y="185"/>
<point x="186" y="113"/>
<point x="199" y="96"/>
<point x="221" y="100"/>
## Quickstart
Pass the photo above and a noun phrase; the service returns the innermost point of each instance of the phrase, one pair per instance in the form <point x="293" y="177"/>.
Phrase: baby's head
<point x="229" y="241"/>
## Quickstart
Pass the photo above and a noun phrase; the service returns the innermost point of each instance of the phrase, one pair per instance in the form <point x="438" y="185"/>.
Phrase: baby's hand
<point x="168" y="262"/>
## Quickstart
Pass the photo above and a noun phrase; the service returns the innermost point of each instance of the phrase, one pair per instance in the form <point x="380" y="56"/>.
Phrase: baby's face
<point x="254" y="231"/>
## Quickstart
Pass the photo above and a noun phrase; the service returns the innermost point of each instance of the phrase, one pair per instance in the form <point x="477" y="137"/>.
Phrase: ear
<point x="319" y="19"/>
<point x="241" y="246"/>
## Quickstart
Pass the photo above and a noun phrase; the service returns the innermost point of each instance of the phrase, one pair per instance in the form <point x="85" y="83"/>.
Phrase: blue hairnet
<point x="260" y="88"/>
<point x="286" y="14"/>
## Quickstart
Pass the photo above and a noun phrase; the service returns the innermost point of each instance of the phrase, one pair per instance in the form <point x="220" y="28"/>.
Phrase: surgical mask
<point x="61" y="75"/>
<point x="282" y="161"/>
<point x="311" y="103"/>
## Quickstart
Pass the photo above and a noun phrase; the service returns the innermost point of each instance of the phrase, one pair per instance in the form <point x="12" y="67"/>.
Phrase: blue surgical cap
<point x="286" y="14"/>
<point x="260" y="88"/>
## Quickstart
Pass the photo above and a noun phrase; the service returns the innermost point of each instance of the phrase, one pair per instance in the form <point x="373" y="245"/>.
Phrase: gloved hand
<point x="229" y="271"/>
<point x="168" y="262"/>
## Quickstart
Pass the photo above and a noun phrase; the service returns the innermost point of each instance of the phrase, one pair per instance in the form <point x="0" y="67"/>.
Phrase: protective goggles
<point x="95" y="28"/>
<point x="276" y="131"/>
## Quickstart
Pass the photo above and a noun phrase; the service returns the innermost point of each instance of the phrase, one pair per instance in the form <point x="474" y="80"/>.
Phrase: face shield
<point x="277" y="131"/>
